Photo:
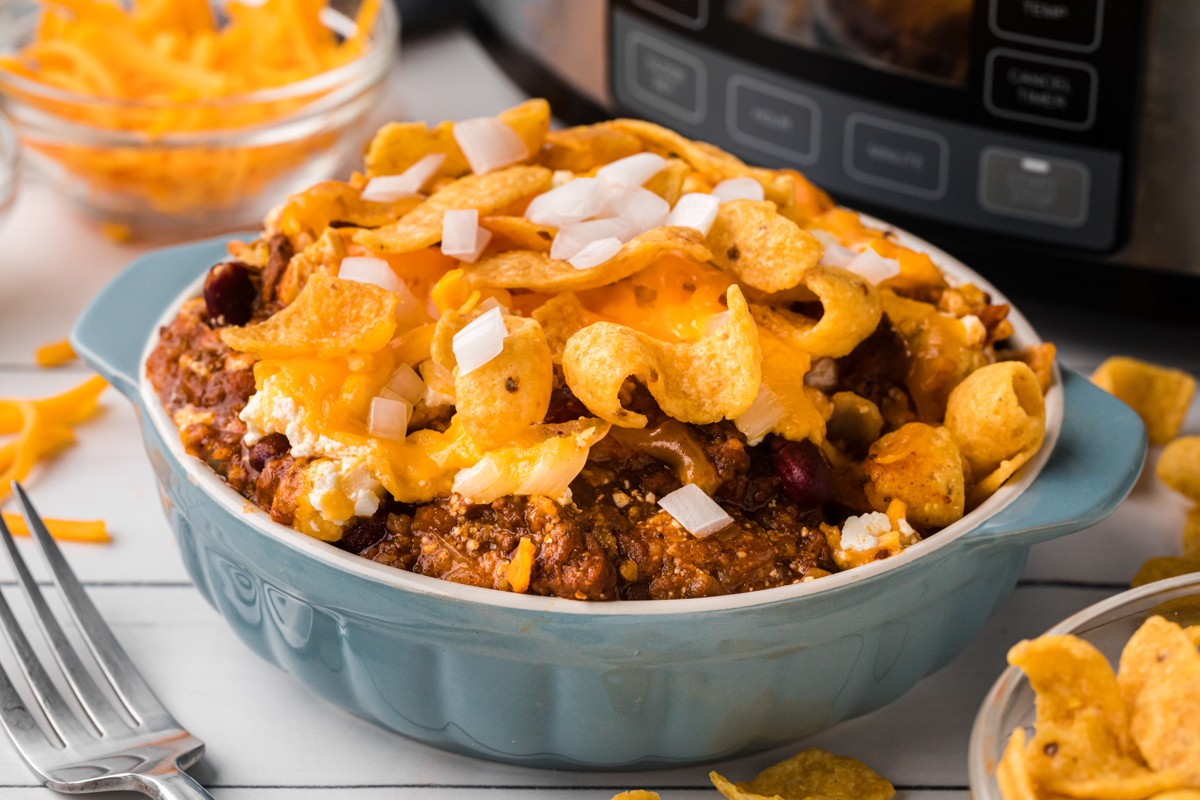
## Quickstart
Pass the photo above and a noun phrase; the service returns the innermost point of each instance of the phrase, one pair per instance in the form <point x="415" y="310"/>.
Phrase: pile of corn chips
<point x="1104" y="736"/>
<point x="1162" y="398"/>
<point x="727" y="291"/>
<point x="178" y="64"/>
<point x="810" y="775"/>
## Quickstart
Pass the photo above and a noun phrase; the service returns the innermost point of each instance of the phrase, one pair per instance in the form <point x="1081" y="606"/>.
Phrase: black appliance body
<point x="1053" y="144"/>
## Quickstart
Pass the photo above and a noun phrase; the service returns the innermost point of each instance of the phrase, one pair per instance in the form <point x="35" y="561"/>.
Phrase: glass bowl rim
<point x="980" y="774"/>
<point x="383" y="37"/>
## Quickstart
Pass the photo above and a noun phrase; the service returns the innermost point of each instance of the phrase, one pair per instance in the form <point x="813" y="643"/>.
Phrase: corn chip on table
<point x="268" y="737"/>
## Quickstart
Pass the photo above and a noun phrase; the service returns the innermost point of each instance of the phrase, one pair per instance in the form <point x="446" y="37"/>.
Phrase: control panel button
<point x="773" y="120"/>
<point x="894" y="156"/>
<point x="665" y="77"/>
<point x="1066" y="24"/>
<point x="1035" y="187"/>
<point x="1048" y="91"/>
<point x="691" y="14"/>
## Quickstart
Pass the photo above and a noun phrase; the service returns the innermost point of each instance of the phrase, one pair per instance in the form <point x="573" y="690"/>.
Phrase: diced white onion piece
<point x="389" y="418"/>
<point x="570" y="239"/>
<point x="695" y="210"/>
<point x="374" y="271"/>
<point x="489" y="304"/>
<point x="824" y="237"/>
<point x="337" y="22"/>
<point x="433" y="399"/>
<point x="480" y="341"/>
<point x="976" y="331"/>
<point x="762" y="415"/>
<point x="458" y="231"/>
<point x="641" y="208"/>
<point x="696" y="511"/>
<point x="595" y="253"/>
<point x="863" y="532"/>
<point x="440" y="382"/>
<point x="714" y="324"/>
<point x="874" y="267"/>
<point x="551" y="475"/>
<point x="738" y="189"/>
<point x="407" y="183"/>
<point x="482" y="237"/>
<point x="836" y="254"/>
<point x="574" y="201"/>
<point x="632" y="170"/>
<point x="489" y="144"/>
<point x="406" y="383"/>
<point x="823" y="375"/>
<point x="437" y="377"/>
<point x="462" y="238"/>
<point x="475" y="481"/>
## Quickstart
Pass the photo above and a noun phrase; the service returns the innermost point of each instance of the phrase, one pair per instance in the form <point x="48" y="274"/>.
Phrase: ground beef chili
<point x="204" y="386"/>
<point x="610" y="541"/>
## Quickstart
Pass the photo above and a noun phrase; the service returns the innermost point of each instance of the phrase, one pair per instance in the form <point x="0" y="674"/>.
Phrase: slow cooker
<point x="1054" y="144"/>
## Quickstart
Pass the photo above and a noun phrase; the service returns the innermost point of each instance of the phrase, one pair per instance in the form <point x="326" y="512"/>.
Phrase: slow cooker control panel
<point x="1015" y="119"/>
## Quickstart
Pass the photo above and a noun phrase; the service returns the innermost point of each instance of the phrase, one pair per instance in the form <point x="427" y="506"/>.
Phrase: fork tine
<point x="89" y="695"/>
<point x="133" y="691"/>
<point x="26" y="734"/>
<point x="57" y="711"/>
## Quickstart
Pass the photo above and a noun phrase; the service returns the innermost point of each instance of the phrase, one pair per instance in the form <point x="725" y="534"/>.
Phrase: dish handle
<point x="111" y="333"/>
<point x="1096" y="461"/>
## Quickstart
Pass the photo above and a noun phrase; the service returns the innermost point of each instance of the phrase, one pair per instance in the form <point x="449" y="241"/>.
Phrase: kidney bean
<point x="229" y="294"/>
<point x="803" y="473"/>
<point x="366" y="533"/>
<point x="268" y="448"/>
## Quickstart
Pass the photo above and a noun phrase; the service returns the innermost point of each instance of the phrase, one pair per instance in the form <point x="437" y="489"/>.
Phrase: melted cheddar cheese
<point x="671" y="300"/>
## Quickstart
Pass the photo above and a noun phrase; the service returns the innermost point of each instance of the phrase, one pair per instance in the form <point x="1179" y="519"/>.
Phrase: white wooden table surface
<point x="268" y="737"/>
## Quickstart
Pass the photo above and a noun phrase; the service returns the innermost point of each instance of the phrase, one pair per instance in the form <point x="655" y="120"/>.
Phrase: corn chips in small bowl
<point x="171" y="119"/>
<point x="1105" y="705"/>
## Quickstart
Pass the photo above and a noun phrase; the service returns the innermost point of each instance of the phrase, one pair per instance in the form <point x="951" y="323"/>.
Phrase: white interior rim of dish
<point x="956" y="272"/>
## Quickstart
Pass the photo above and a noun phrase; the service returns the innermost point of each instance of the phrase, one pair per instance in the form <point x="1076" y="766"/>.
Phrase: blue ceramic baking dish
<point x="562" y="683"/>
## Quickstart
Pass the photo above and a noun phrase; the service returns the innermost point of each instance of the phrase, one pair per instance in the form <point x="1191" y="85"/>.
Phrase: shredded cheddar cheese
<point x="117" y="232"/>
<point x="42" y="427"/>
<point x="520" y="569"/>
<point x="66" y="530"/>
<point x="55" y="353"/>
<point x="896" y="511"/>
<point x="179" y="65"/>
<point x="670" y="301"/>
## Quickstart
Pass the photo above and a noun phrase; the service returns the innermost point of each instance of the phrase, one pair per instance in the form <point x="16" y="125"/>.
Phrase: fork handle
<point x="175" y="785"/>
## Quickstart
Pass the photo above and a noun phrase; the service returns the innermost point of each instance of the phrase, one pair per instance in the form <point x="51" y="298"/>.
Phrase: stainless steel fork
<point x="101" y="750"/>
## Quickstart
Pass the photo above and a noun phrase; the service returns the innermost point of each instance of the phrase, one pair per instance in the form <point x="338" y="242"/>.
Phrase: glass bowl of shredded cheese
<point x="181" y="116"/>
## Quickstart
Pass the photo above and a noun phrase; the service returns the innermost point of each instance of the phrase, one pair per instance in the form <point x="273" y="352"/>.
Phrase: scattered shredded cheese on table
<point x="66" y="530"/>
<point x="54" y="354"/>
<point x="42" y="427"/>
